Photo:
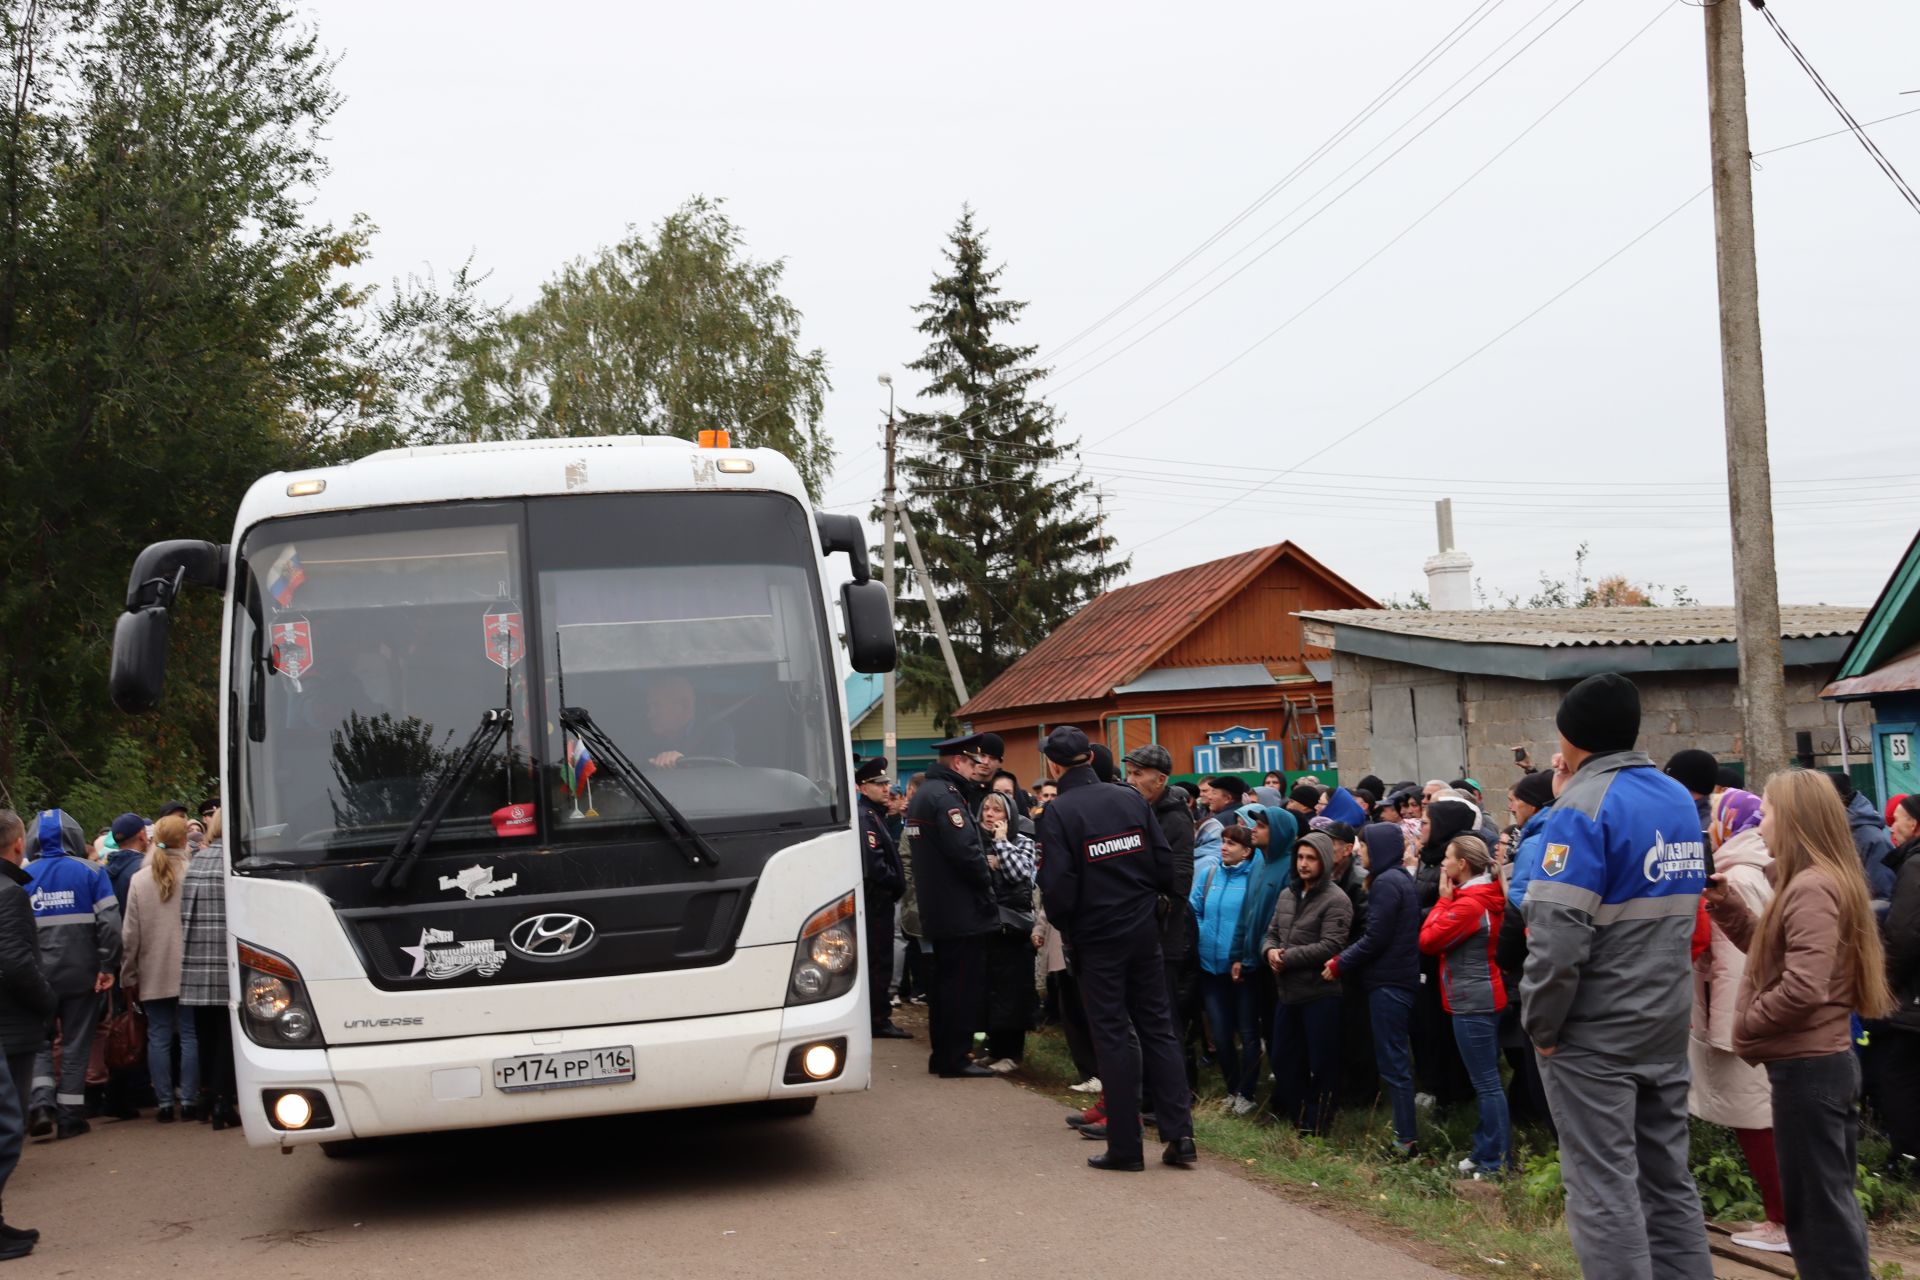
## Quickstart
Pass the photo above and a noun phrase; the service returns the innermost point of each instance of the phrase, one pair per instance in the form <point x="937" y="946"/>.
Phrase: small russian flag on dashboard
<point x="286" y="577"/>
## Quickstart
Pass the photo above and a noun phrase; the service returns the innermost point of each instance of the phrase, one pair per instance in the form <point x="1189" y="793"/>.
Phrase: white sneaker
<point x="1424" y="1101"/>
<point x="1244" y="1106"/>
<point x="1467" y="1167"/>
<point x="1767" y="1237"/>
<point x="1090" y="1085"/>
<point x="1003" y="1066"/>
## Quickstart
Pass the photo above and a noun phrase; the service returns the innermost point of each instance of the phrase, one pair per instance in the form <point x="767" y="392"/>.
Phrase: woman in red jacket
<point x="1462" y="930"/>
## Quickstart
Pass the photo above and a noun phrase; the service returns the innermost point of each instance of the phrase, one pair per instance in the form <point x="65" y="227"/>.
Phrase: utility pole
<point x="889" y="706"/>
<point x="1756" y="587"/>
<point x="933" y="609"/>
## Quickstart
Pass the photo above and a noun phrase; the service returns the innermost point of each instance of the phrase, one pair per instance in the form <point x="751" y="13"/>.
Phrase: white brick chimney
<point x="1449" y="574"/>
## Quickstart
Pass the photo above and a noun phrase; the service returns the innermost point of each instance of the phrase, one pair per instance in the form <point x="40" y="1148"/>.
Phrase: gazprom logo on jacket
<point x="44" y="900"/>
<point x="1667" y="859"/>
<point x="1116" y="846"/>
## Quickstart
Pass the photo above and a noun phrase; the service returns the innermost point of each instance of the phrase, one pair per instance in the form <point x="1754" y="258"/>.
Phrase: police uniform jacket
<point x="950" y="876"/>
<point x="880" y="858"/>
<point x="1104" y="862"/>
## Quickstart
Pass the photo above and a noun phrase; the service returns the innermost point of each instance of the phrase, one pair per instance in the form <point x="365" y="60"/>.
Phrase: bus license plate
<point x="564" y="1070"/>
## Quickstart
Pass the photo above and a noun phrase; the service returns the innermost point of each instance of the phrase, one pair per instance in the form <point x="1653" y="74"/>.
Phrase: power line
<point x="974" y="413"/>
<point x="1014" y="449"/>
<point x="1461" y="362"/>
<point x="1314" y="216"/>
<point x="1854" y="126"/>
<point x="1401" y="82"/>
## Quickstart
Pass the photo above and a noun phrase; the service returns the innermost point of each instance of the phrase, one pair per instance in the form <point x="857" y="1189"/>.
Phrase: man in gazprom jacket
<point x="1607" y="991"/>
<point x="79" y="924"/>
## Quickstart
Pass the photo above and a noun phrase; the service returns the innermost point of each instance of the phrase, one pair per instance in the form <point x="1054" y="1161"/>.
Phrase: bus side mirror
<point x="845" y="533"/>
<point x="139" y="670"/>
<point x="869" y="616"/>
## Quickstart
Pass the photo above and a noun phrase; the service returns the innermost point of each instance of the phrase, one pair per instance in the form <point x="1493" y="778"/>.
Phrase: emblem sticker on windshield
<point x="478" y="882"/>
<point x="440" y="957"/>
<point x="293" y="649"/>
<point x="506" y="642"/>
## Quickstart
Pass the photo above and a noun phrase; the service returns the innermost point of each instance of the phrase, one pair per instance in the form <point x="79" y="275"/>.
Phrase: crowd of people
<point x="113" y="979"/>
<point x="1639" y="942"/>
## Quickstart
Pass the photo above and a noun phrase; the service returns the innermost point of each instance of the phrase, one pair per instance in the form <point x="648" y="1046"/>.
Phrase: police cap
<point x="955" y="746"/>
<point x="869" y="769"/>
<point x="1067" y="745"/>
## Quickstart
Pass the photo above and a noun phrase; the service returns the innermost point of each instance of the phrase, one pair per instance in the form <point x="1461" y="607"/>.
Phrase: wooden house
<point x="1209" y="662"/>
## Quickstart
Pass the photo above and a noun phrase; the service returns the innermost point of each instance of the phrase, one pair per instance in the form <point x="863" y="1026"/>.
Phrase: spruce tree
<point x="1011" y="544"/>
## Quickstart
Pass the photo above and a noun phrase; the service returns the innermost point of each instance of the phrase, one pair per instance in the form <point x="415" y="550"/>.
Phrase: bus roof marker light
<point x="306" y="488"/>
<point x="735" y="466"/>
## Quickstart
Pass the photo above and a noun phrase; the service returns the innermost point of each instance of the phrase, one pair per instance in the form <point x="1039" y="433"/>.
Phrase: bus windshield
<point x="686" y="629"/>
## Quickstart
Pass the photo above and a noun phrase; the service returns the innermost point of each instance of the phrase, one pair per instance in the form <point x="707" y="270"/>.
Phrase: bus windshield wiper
<point x="398" y="868"/>
<point x="579" y="722"/>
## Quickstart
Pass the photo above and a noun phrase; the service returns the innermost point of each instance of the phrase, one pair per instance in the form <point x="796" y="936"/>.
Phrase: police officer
<point x="955" y="893"/>
<point x="1104" y="867"/>
<point x="886" y="881"/>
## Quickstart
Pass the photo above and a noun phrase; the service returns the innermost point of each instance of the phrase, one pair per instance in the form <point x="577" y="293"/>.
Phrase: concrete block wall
<point x="1499" y="713"/>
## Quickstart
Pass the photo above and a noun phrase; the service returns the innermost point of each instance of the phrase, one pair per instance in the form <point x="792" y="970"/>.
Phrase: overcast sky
<point x="1102" y="145"/>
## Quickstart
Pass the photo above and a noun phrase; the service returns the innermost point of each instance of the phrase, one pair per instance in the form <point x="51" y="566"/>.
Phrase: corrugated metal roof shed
<point x="1585" y="628"/>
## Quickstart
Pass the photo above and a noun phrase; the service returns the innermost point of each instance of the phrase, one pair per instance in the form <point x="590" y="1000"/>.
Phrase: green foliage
<point x="1540" y="1188"/>
<point x="659" y="335"/>
<point x="172" y="326"/>
<point x="1727" y="1190"/>
<point x="1009" y="543"/>
<point x="1577" y="592"/>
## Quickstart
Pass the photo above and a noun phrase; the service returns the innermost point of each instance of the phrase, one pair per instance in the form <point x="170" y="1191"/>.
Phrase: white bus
<point x="536" y="780"/>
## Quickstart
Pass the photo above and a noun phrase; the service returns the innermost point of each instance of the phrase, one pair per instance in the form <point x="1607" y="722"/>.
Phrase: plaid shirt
<point x="203" y="919"/>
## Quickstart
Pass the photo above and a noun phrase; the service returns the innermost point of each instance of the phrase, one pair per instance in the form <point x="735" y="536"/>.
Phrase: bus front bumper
<point x="422" y="1086"/>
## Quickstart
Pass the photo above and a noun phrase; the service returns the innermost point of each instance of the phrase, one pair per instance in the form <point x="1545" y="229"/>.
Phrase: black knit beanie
<point x="1694" y="769"/>
<point x="1535" y="789"/>
<point x="1601" y="714"/>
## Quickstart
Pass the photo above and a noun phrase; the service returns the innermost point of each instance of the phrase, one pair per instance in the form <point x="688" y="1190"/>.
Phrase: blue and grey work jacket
<point x="1610" y="913"/>
<point x="74" y="908"/>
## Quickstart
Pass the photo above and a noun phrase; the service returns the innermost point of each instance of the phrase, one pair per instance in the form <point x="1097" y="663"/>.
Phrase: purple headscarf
<point x="1739" y="811"/>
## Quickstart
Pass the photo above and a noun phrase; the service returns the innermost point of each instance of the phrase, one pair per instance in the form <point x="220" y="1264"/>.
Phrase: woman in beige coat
<point x="151" y="944"/>
<point x="1725" y="1090"/>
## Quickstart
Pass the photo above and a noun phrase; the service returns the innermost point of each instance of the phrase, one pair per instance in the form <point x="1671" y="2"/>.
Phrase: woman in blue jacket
<point x="1219" y="890"/>
<point x="1274" y="832"/>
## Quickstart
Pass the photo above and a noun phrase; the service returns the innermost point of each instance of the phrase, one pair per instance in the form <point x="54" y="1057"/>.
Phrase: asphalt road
<point x="922" y="1176"/>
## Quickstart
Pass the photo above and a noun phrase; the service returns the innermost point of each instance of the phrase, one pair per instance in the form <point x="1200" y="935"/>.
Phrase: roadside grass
<point x="1510" y="1227"/>
<point x="1476" y="1228"/>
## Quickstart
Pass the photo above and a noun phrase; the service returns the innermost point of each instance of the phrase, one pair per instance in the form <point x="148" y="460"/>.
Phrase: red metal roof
<point x="1118" y="635"/>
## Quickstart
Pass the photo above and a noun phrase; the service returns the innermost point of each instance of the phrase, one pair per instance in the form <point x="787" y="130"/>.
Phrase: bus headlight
<point x="827" y="957"/>
<point x="274" y="1009"/>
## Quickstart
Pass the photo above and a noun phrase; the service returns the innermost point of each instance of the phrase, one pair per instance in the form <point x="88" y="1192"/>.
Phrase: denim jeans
<point x="165" y="1025"/>
<point x="1236" y="1030"/>
<point x="1478" y="1035"/>
<point x="1392" y="1012"/>
<point x="1816" y="1124"/>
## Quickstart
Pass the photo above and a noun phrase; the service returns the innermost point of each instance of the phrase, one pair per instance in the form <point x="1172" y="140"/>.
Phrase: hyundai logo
<point x="551" y="935"/>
